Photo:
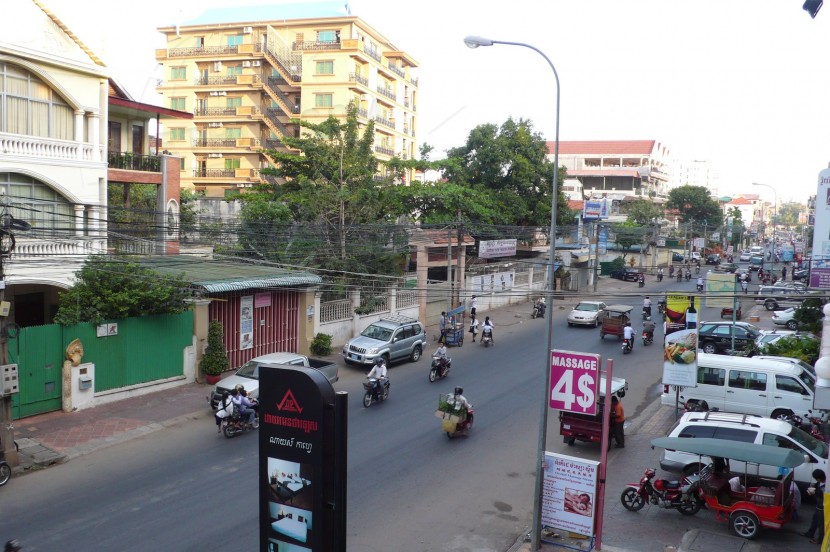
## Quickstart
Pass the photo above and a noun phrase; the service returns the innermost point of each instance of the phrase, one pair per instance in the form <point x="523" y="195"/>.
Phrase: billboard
<point x="595" y="209"/>
<point x="490" y="283"/>
<point x="569" y="493"/>
<point x="820" y="269"/>
<point x="676" y="306"/>
<point x="720" y="290"/>
<point x="490" y="249"/>
<point x="573" y="381"/>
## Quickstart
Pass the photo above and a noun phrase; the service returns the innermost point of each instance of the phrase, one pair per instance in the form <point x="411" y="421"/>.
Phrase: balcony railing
<point x="373" y="53"/>
<point x="362" y="112"/>
<point x="215" y="143"/>
<point x="217" y="79"/>
<point x="214" y="111"/>
<point x="355" y="77"/>
<point x="384" y="122"/>
<point x="271" y="85"/>
<point x="49" y="148"/>
<point x="397" y="70"/>
<point x="272" y="143"/>
<point x="388" y="92"/>
<point x="214" y="173"/>
<point x="205" y="50"/>
<point x="384" y="150"/>
<point x="406" y="129"/>
<point x="314" y="45"/>
<point x="133" y="161"/>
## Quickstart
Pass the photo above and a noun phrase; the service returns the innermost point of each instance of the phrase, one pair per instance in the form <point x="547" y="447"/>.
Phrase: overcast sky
<point x="743" y="84"/>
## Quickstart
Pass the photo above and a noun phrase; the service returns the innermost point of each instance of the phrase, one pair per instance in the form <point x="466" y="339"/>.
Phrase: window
<point x="233" y="102"/>
<point x="328" y="36"/>
<point x="178" y="73"/>
<point x="697" y="432"/>
<point x="232" y="133"/>
<point x="734" y="434"/>
<point x="324" y="67"/>
<point x="234" y="40"/>
<point x="29" y="106"/>
<point x="39" y="204"/>
<point x="773" y="440"/>
<point x="408" y="331"/>
<point x="789" y="384"/>
<point x="323" y="100"/>
<point x="178" y="103"/>
<point x="711" y="376"/>
<point x="741" y="379"/>
<point x="234" y="70"/>
<point x="231" y="163"/>
<point x="177" y="133"/>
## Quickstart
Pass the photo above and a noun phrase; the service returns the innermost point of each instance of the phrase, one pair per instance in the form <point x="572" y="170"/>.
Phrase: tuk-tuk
<point x="764" y="502"/>
<point x="614" y="318"/>
<point x="584" y="427"/>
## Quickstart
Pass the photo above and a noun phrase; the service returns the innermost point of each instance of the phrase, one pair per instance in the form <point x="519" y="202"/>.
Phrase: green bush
<point x="809" y="315"/>
<point x="321" y="345"/>
<point x="791" y="347"/>
<point x="215" y="360"/>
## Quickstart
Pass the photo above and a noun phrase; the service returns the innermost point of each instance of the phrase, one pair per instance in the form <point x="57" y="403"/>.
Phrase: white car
<point x="745" y="255"/>
<point x="785" y="318"/>
<point x="586" y="313"/>
<point x="770" y="337"/>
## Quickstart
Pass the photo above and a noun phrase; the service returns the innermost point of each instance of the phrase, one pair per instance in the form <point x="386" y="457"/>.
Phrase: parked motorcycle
<point x="626" y="346"/>
<point x="235" y="424"/>
<point x="5" y="470"/>
<point x="685" y="495"/>
<point x="814" y="425"/>
<point x="439" y="369"/>
<point x="463" y="427"/>
<point x="369" y="397"/>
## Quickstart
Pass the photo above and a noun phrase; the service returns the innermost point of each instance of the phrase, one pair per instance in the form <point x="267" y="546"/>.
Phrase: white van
<point x="756" y="250"/>
<point x="765" y="387"/>
<point x="744" y="429"/>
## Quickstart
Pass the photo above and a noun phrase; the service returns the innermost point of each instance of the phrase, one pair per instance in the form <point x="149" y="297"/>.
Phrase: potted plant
<point x="215" y="360"/>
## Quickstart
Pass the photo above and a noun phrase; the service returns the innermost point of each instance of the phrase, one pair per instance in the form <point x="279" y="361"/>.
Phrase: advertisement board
<point x="680" y="358"/>
<point x="246" y="322"/>
<point x="490" y="249"/>
<point x="720" y="290"/>
<point x="602" y="240"/>
<point x="820" y="269"/>
<point x="297" y="462"/>
<point x="489" y="283"/>
<point x="569" y="493"/>
<point x="574" y="377"/>
<point x="787" y="252"/>
<point x="676" y="306"/>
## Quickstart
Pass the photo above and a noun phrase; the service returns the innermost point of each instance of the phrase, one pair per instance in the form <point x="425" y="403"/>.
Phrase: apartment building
<point x="247" y="74"/>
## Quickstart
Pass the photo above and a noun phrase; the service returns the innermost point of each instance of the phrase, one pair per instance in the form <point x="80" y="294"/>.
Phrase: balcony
<point x="203" y="51"/>
<point x="214" y="111"/>
<point x="360" y="79"/>
<point x="363" y="112"/>
<point x="218" y="79"/>
<point x="49" y="148"/>
<point x="384" y="122"/>
<point x="272" y="143"/>
<point x="133" y="161"/>
<point x="383" y="150"/>
<point x="373" y="53"/>
<point x="388" y="92"/>
<point x="214" y="173"/>
<point x="313" y="45"/>
<point x="397" y="70"/>
<point x="215" y="143"/>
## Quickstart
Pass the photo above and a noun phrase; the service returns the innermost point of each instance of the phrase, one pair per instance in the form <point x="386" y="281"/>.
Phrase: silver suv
<point x="393" y="338"/>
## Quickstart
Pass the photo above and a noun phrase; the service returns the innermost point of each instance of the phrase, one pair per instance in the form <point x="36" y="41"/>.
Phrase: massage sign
<point x="301" y="475"/>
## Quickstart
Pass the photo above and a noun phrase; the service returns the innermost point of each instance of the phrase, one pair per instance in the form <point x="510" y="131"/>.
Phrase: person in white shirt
<point x="457" y="399"/>
<point x="474" y="328"/>
<point x="628" y="333"/>
<point x="487" y="329"/>
<point x="647" y="306"/>
<point x="736" y="485"/>
<point x="378" y="371"/>
<point x="224" y="410"/>
<point x="473" y="306"/>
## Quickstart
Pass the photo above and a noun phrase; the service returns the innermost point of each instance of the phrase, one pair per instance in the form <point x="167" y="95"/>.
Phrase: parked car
<point x="586" y="313"/>
<point x="716" y="337"/>
<point x="726" y="267"/>
<point x="393" y="338"/>
<point x="785" y="318"/>
<point x="694" y="256"/>
<point x="713" y="259"/>
<point x="768" y="337"/>
<point x="744" y="429"/>
<point x="780" y="297"/>
<point x="676" y="257"/>
<point x="800" y="275"/>
<point x="248" y="374"/>
<point x="745" y="255"/>
<point x="626" y="274"/>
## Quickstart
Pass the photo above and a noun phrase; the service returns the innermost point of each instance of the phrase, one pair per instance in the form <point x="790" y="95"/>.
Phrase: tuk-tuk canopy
<point x="743" y="452"/>
<point x="624" y="309"/>
<point x="617" y="385"/>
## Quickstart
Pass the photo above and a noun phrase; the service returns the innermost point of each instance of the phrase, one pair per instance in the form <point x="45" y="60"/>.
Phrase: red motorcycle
<point x="463" y="427"/>
<point x="812" y="425"/>
<point x="685" y="496"/>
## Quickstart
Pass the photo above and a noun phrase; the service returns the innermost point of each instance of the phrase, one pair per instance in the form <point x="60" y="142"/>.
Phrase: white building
<point x="695" y="172"/>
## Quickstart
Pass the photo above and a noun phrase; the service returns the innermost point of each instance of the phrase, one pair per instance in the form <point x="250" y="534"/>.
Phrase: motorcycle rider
<point x="243" y="405"/>
<point x="628" y="333"/>
<point x="12" y="546"/>
<point x="224" y="410"/>
<point x="540" y="305"/>
<point x="378" y="371"/>
<point x="457" y="399"/>
<point x="441" y="355"/>
<point x="671" y="271"/>
<point x="642" y="279"/>
<point x="700" y="282"/>
<point x="648" y="328"/>
<point x="487" y="330"/>
<point x="647" y="306"/>
<point x="660" y="274"/>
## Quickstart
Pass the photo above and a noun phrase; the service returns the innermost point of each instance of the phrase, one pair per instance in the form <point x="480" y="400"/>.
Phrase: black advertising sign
<point x="299" y="499"/>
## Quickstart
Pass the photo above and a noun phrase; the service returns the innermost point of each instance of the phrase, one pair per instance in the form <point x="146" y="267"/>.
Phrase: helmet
<point x="459" y="391"/>
<point x="13" y="546"/>
<point x="379" y="361"/>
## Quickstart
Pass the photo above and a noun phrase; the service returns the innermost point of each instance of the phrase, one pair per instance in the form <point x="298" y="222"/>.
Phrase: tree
<point x="788" y="213"/>
<point x="809" y="315"/>
<point x="737" y="225"/>
<point x="793" y="347"/>
<point x="215" y="360"/>
<point x="628" y="233"/>
<point x="112" y="288"/>
<point x="643" y="212"/>
<point x="695" y="205"/>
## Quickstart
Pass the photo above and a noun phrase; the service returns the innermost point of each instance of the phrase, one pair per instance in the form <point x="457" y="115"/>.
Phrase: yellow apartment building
<point x="245" y="81"/>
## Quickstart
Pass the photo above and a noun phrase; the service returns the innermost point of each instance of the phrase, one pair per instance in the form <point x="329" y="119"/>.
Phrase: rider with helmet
<point x="378" y="372"/>
<point x="457" y="399"/>
<point x="12" y="546"/>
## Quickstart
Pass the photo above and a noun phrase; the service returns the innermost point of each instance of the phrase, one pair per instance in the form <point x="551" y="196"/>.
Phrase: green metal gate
<point x="38" y="353"/>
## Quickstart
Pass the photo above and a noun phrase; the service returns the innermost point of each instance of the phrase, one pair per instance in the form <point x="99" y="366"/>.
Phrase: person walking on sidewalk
<point x="474" y="328"/>
<point x="817" y="524"/>
<point x="618" y="421"/>
<point x="783" y="274"/>
<point x="442" y="327"/>
<point x="473" y="306"/>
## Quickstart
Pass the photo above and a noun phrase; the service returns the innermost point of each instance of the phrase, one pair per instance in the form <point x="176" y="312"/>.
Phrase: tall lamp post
<point x="774" y="215"/>
<point x="475" y="42"/>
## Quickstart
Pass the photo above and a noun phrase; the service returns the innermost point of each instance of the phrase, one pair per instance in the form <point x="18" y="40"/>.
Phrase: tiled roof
<point x="575" y="204"/>
<point x="751" y="197"/>
<point x="604" y="147"/>
<point x="740" y="201"/>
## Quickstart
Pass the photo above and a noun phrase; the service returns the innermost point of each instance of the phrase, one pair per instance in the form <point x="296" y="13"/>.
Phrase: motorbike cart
<point x="454" y="421"/>
<point x="765" y="502"/>
<point x="454" y="336"/>
<point x="575" y="427"/>
<point x="614" y="320"/>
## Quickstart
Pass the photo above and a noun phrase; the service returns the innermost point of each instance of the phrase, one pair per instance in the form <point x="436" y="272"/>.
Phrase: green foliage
<point x="695" y="205"/>
<point x="628" y="233"/>
<point x="791" y="347"/>
<point x="261" y="231"/>
<point x="643" y="212"/>
<point x="368" y="305"/>
<point x="321" y="344"/>
<point x="788" y="213"/>
<point x="809" y="315"/>
<point x="111" y="288"/>
<point x="618" y="264"/>
<point x="188" y="211"/>
<point x="215" y="360"/>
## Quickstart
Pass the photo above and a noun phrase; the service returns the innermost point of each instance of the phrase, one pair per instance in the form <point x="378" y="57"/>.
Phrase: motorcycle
<point x="648" y="337"/>
<point x="626" y="346"/>
<point x="813" y="424"/>
<point x="659" y="276"/>
<point x="486" y="339"/>
<point x="235" y="424"/>
<point x="369" y="397"/>
<point x="661" y="307"/>
<point x="5" y="470"/>
<point x="688" y="275"/>
<point x="641" y="281"/>
<point x="462" y="427"/>
<point x="437" y="371"/>
<point x="700" y="288"/>
<point x="646" y="313"/>
<point x="671" y="271"/>
<point x="684" y="495"/>
<point x="538" y="311"/>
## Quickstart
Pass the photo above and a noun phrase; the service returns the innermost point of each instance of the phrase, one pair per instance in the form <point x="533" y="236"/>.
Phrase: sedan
<point x="626" y="274"/>
<point x="745" y="255"/>
<point x="727" y="267"/>
<point x="785" y="318"/>
<point x="800" y="274"/>
<point x="586" y="313"/>
<point x="717" y="337"/>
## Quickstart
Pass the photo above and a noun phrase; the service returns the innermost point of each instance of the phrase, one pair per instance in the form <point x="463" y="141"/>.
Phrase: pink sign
<point x="574" y="378"/>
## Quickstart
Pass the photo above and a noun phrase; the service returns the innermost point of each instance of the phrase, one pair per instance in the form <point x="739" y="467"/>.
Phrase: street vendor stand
<point x="454" y="335"/>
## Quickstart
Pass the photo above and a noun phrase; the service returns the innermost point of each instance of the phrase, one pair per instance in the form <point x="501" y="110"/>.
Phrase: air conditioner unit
<point x="215" y="125"/>
<point x="246" y="64"/>
<point x="247" y="30"/>
<point x="215" y="155"/>
<point x="217" y="65"/>
<point x="214" y="93"/>
<point x="256" y="63"/>
<point x="223" y="93"/>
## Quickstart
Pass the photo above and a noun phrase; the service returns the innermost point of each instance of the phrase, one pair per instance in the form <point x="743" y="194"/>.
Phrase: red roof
<point x="740" y="201"/>
<point x="600" y="147"/>
<point x="575" y="204"/>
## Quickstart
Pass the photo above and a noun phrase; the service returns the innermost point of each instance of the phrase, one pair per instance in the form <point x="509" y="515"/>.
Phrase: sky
<point x="743" y="84"/>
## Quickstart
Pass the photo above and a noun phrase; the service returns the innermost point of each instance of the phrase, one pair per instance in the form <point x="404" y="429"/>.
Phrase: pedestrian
<point x="816" y="530"/>
<point x="473" y="306"/>
<point x="783" y="273"/>
<point x="617" y="421"/>
<point x="442" y="326"/>
<point x="474" y="328"/>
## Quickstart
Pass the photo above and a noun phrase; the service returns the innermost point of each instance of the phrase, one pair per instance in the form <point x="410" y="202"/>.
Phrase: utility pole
<point x="459" y="251"/>
<point x="450" y="280"/>
<point x="6" y="428"/>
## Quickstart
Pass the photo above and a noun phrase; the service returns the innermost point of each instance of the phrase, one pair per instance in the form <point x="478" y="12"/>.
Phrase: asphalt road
<point x="185" y="488"/>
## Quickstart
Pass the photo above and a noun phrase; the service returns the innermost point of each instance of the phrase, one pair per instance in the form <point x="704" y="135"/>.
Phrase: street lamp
<point x="774" y="215"/>
<point x="475" y="42"/>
